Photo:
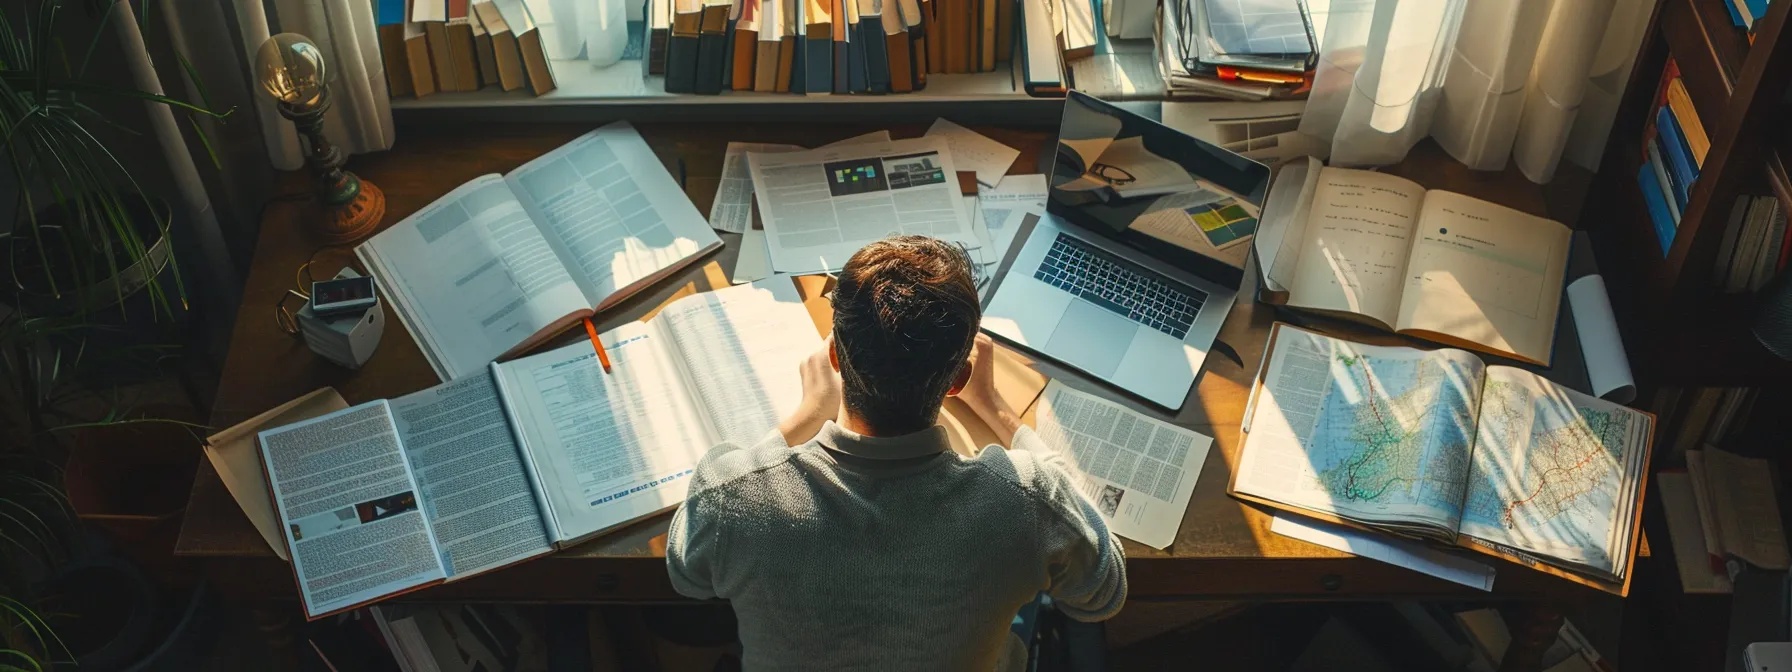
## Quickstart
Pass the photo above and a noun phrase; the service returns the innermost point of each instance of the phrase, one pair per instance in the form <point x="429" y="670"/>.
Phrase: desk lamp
<point x="291" y="69"/>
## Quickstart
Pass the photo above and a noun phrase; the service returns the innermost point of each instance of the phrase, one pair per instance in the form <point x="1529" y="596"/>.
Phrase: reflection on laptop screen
<point x="1177" y="198"/>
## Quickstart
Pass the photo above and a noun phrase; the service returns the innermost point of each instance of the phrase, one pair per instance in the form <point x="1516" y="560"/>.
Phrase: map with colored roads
<point x="1392" y="431"/>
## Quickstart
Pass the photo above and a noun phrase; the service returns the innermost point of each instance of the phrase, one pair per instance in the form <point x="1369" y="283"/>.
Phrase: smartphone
<point x="343" y="295"/>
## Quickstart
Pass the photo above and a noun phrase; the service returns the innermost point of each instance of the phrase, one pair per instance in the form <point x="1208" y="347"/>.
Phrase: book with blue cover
<point x="1659" y="213"/>
<point x="1665" y="179"/>
<point x="1675" y="149"/>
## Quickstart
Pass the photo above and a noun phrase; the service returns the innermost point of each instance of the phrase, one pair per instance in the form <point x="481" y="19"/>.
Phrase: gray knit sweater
<point x="856" y="552"/>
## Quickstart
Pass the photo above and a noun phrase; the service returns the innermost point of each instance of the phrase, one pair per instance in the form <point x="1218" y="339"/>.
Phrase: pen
<point x="1257" y="76"/>
<point x="602" y="357"/>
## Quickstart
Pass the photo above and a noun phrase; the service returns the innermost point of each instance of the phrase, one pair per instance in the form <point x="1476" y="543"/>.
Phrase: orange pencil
<point x="602" y="357"/>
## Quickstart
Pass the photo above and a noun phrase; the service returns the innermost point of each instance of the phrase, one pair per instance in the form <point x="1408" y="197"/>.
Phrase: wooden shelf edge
<point x="1705" y="44"/>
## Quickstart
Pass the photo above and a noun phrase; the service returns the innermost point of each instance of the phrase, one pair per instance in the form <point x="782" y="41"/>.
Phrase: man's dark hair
<point x="905" y="317"/>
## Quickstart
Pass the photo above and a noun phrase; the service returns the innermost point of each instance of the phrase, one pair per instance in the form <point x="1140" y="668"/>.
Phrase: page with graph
<point x="1485" y="277"/>
<point x="1357" y="238"/>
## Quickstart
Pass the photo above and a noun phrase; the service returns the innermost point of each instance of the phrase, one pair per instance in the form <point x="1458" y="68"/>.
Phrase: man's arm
<point x="692" y="546"/>
<point x="980" y="395"/>
<point x="1088" y="566"/>
<point x="821" y="397"/>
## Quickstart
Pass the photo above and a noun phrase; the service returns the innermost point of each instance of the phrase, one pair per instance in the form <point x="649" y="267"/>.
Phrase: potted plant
<point x="90" y="297"/>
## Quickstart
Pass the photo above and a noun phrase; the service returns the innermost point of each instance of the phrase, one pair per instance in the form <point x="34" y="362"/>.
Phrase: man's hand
<point x="821" y="397"/>
<point x="979" y="392"/>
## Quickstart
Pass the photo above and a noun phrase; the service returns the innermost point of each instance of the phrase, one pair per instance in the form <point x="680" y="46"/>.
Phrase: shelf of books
<point x="1697" y="213"/>
<point x="579" y="83"/>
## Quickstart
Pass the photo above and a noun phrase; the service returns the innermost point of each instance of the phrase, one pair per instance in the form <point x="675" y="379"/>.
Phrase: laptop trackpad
<point x="1091" y="338"/>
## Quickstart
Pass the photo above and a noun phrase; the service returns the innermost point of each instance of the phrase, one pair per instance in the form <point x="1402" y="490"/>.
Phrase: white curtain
<point x="1489" y="79"/>
<point x="594" y="30"/>
<point x="360" y="117"/>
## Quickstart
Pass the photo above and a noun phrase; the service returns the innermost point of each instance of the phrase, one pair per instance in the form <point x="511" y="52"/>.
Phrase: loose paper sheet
<point x="1388" y="549"/>
<point x="1006" y="206"/>
<point x="1139" y="471"/>
<point x="754" y="262"/>
<point x="234" y="454"/>
<point x="976" y="152"/>
<point x="732" y="209"/>
<point x="822" y="205"/>
<point x="1608" y="368"/>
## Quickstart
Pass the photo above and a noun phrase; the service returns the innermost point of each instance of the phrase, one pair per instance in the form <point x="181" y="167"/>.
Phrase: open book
<point x="1439" y="445"/>
<point x="537" y="454"/>
<point x="504" y="263"/>
<point x="1432" y="264"/>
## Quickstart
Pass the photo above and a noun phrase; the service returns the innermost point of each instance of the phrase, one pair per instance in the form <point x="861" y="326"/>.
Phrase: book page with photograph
<point x="607" y="447"/>
<point x="348" y="503"/>
<point x="1367" y="433"/>
<point x="821" y="205"/>
<point x="1358" y="237"/>
<point x="1485" y="277"/>
<point x="1555" y="472"/>
<point x="471" y="277"/>
<point x="611" y="212"/>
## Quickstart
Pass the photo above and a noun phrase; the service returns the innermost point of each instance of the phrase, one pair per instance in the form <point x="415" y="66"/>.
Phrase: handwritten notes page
<point x="1359" y="235"/>
<point x="1484" y="275"/>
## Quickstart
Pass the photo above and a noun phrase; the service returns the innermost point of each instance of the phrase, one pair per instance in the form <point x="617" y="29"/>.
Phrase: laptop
<point x="1139" y="257"/>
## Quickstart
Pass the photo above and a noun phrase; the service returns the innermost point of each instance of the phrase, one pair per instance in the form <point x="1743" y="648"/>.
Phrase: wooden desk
<point x="1224" y="549"/>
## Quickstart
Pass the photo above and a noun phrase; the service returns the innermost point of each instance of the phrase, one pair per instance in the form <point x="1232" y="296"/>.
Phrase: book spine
<point x="842" y="48"/>
<point x="746" y="46"/>
<point x="819" y="62"/>
<point x="681" y="53"/>
<point x="799" y="66"/>
<point x="1658" y="213"/>
<point x="398" y="68"/>
<point x="877" y="55"/>
<point x="1665" y="178"/>
<point x="1668" y="147"/>
<point x="712" y="47"/>
<point x="855" y="56"/>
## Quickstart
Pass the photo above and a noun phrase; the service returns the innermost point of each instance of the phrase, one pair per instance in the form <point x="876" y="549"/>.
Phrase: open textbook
<point x="1438" y="445"/>
<point x="1139" y="472"/>
<point x="819" y="206"/>
<point x="533" y="454"/>
<point x="1433" y="264"/>
<point x="504" y="263"/>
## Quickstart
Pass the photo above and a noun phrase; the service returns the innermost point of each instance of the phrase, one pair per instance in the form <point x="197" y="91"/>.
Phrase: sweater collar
<point x="930" y="441"/>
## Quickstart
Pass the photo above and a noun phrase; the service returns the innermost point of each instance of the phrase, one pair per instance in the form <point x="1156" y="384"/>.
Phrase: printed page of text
<point x="1486" y="274"/>
<point x="608" y="447"/>
<point x="741" y="348"/>
<point x="475" y="491"/>
<point x="349" y="505"/>
<point x="732" y="209"/>
<point x="820" y="206"/>
<point x="1139" y="472"/>
<point x="610" y="210"/>
<point x="471" y="276"/>
<point x="1357" y="240"/>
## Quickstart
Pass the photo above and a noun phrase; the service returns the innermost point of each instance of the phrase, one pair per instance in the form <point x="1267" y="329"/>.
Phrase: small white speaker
<point x="347" y="339"/>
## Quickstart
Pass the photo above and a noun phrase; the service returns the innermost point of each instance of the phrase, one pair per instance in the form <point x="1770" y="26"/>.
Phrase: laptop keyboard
<point x="1118" y="285"/>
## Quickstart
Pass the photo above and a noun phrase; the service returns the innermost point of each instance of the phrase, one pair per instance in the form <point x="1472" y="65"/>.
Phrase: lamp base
<point x="348" y="222"/>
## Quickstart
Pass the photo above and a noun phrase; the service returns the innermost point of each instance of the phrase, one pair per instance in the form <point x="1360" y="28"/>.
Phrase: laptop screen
<point x="1182" y="200"/>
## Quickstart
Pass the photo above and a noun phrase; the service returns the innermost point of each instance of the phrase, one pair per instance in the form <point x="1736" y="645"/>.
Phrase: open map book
<point x="1439" y="445"/>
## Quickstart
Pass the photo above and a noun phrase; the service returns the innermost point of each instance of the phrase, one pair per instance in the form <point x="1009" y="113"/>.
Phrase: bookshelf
<point x="1687" y="331"/>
